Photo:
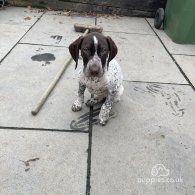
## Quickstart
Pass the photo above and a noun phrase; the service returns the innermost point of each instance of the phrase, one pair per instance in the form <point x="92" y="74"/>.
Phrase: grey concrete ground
<point x="147" y="149"/>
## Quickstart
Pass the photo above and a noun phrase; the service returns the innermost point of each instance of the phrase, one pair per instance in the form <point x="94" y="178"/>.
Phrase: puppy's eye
<point x="104" y="50"/>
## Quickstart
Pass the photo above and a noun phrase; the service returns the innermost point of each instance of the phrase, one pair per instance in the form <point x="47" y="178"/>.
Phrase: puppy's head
<point x="96" y="50"/>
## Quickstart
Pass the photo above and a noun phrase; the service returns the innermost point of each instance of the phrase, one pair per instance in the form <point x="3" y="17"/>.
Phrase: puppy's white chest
<point x="97" y="86"/>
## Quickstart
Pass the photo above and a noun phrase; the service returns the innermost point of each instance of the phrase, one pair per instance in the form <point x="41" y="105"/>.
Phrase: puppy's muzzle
<point x="94" y="70"/>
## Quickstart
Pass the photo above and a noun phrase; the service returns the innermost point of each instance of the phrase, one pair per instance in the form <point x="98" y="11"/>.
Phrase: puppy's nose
<point x="94" y="69"/>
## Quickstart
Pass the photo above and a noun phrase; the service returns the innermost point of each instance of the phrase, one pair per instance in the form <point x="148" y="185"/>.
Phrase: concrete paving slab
<point x="173" y="48"/>
<point x="24" y="78"/>
<point x="59" y="32"/>
<point x="143" y="58"/>
<point x="155" y="125"/>
<point x="125" y="24"/>
<point x="19" y="16"/>
<point x="34" y="162"/>
<point x="150" y="20"/>
<point x="187" y="63"/>
<point x="10" y="35"/>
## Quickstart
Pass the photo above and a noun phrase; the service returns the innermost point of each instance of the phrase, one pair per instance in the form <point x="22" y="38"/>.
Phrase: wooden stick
<point x="52" y="84"/>
<point x="50" y="88"/>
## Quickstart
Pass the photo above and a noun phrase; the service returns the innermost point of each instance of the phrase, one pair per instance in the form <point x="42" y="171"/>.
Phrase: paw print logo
<point x="159" y="170"/>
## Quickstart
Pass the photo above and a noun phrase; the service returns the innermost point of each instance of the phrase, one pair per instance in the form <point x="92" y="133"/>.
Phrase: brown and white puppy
<point x="100" y="73"/>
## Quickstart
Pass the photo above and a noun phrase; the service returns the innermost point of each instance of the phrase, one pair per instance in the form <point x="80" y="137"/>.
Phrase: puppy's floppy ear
<point x="74" y="49"/>
<point x="113" y="49"/>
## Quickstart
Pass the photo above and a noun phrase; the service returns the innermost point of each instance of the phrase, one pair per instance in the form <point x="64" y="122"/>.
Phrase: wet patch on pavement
<point x="45" y="57"/>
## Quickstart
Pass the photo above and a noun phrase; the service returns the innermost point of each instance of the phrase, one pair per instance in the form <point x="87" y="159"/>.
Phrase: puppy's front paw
<point x="91" y="102"/>
<point x="102" y="122"/>
<point x="95" y="101"/>
<point x="77" y="106"/>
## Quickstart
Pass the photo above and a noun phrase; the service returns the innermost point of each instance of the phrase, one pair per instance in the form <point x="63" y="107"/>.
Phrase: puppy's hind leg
<point x="105" y="110"/>
<point x="77" y="105"/>
<point x="119" y="94"/>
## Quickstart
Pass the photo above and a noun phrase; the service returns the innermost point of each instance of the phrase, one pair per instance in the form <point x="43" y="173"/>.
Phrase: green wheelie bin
<point x="179" y="21"/>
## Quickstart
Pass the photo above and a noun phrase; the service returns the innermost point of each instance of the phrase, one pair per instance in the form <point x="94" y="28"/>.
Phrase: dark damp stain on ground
<point x="45" y="57"/>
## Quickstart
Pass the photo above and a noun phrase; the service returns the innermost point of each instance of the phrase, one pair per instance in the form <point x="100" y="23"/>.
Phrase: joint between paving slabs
<point x="180" y="69"/>
<point x="88" y="182"/>
<point x="160" y="83"/>
<point x="42" y="129"/>
<point x="179" y="54"/>
<point x="130" y="33"/>
<point x="63" y="46"/>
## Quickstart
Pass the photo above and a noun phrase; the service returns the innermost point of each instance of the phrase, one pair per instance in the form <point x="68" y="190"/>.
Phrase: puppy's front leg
<point x="105" y="109"/>
<point x="77" y="105"/>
